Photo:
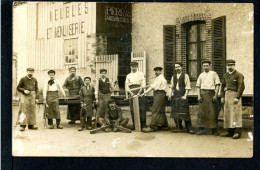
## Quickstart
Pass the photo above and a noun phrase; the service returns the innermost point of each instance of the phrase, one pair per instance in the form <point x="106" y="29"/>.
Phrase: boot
<point x="22" y="127"/>
<point x="32" y="127"/>
<point x="59" y="126"/>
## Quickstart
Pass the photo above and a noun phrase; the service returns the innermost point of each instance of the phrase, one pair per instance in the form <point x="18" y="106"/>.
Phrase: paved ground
<point x="70" y="142"/>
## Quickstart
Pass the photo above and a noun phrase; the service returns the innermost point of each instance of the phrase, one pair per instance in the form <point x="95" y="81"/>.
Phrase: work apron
<point x="207" y="111"/>
<point x="158" y="109"/>
<point x="52" y="100"/>
<point x="27" y="106"/>
<point x="232" y="112"/>
<point x="102" y="104"/>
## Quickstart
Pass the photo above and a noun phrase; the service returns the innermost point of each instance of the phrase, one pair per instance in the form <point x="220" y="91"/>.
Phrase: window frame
<point x="64" y="51"/>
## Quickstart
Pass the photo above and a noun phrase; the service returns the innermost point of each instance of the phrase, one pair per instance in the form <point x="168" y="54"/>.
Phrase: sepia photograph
<point x="136" y="79"/>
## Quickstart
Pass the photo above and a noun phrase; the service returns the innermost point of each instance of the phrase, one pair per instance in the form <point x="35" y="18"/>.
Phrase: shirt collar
<point x="231" y="72"/>
<point x="29" y="77"/>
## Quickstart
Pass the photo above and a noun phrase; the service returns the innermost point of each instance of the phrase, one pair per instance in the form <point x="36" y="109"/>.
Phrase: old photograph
<point x="94" y="79"/>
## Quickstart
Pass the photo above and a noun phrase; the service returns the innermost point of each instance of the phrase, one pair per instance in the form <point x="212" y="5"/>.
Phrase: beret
<point x="205" y="61"/>
<point x="133" y="63"/>
<point x="30" y="69"/>
<point x="230" y="62"/>
<point x="103" y="70"/>
<point x="157" y="68"/>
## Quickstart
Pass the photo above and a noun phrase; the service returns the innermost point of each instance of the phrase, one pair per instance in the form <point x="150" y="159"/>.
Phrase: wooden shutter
<point x="169" y="50"/>
<point x="219" y="45"/>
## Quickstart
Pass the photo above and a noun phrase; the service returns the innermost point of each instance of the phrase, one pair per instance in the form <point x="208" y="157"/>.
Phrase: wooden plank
<point x="136" y="114"/>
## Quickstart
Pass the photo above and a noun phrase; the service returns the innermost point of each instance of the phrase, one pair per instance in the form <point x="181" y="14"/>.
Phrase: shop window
<point x="71" y="51"/>
<point x="169" y="44"/>
<point x="195" y="46"/>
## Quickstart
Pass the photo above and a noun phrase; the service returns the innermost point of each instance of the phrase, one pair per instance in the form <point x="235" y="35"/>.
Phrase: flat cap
<point x="74" y="68"/>
<point x="157" y="68"/>
<point x="30" y="69"/>
<point x="103" y="70"/>
<point x="111" y="101"/>
<point x="179" y="63"/>
<point x="230" y="62"/>
<point x="87" y="78"/>
<point x="134" y="63"/>
<point x="205" y="61"/>
<point x="51" y="71"/>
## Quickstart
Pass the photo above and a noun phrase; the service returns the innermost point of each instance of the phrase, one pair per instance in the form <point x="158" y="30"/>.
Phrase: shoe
<point x="59" y="127"/>
<point x="51" y="127"/>
<point x="227" y="135"/>
<point x="89" y="127"/>
<point x="72" y="122"/>
<point x="80" y="129"/>
<point x="148" y="130"/>
<point x="236" y="136"/>
<point x="191" y="132"/>
<point x="32" y="127"/>
<point x="108" y="129"/>
<point x="22" y="129"/>
<point x="200" y="133"/>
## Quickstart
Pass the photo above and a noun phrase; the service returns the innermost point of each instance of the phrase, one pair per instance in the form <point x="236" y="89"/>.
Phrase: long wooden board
<point x="136" y="114"/>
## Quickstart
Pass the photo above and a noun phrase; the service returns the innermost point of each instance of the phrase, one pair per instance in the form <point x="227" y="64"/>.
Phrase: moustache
<point x="230" y="69"/>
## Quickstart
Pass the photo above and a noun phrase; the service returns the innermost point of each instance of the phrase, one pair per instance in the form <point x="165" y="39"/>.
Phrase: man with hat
<point x="87" y="98"/>
<point x="208" y="87"/>
<point x="113" y="116"/>
<point x="159" y="120"/>
<point x="103" y="89"/>
<point x="51" y="90"/>
<point x="136" y="79"/>
<point x="180" y="86"/>
<point x="231" y="91"/>
<point x="28" y="86"/>
<point x="72" y="86"/>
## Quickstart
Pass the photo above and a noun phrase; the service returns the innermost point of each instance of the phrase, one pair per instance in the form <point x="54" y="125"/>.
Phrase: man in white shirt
<point x="208" y="87"/>
<point x="159" y="120"/>
<point x="51" y="99"/>
<point x="136" y="79"/>
<point x="180" y="87"/>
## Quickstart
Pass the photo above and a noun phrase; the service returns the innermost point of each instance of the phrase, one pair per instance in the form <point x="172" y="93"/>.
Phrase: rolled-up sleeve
<point x="143" y="84"/>
<point x="187" y="82"/>
<point x="216" y="79"/>
<point x="45" y="86"/>
<point x="198" y="84"/>
<point x="126" y="83"/>
<point x="156" y="83"/>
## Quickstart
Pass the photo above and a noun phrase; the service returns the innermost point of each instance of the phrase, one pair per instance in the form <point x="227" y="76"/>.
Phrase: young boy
<point x="87" y="98"/>
<point x="113" y="116"/>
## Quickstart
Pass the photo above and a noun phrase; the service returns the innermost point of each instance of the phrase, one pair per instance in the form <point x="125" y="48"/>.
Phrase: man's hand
<point x="199" y="99"/>
<point x="222" y="100"/>
<point x="26" y="91"/>
<point x="44" y="101"/>
<point x="235" y="100"/>
<point x="214" y="98"/>
<point x="184" y="97"/>
<point x="96" y="101"/>
<point x="169" y="97"/>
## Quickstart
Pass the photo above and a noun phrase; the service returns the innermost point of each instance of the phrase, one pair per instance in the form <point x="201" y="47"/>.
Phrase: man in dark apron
<point x="208" y="87"/>
<point x="103" y="89"/>
<point x="87" y="98"/>
<point x="159" y="120"/>
<point x="72" y="86"/>
<point x="51" y="99"/>
<point x="180" y="86"/>
<point x="136" y="79"/>
<point x="231" y="91"/>
<point x="28" y="86"/>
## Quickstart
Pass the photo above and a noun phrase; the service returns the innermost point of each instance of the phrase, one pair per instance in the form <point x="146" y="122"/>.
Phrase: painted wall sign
<point x="118" y="15"/>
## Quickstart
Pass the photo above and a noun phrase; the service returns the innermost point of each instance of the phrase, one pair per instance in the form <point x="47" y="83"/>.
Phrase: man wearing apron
<point x="51" y="99"/>
<point x="87" y="98"/>
<point x="28" y="86"/>
<point x="136" y="79"/>
<point x="231" y="90"/>
<point x="72" y="85"/>
<point x="208" y="87"/>
<point x="180" y="86"/>
<point x="159" y="120"/>
<point x="103" y="89"/>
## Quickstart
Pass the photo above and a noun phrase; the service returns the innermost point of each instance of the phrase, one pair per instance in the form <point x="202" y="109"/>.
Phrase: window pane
<point x="192" y="34"/>
<point x="203" y="50"/>
<point x="202" y="32"/>
<point x="193" y="69"/>
<point x="192" y="51"/>
<point x="71" y="51"/>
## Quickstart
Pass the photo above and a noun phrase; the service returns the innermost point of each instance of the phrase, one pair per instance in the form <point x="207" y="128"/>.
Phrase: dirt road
<point x="70" y="142"/>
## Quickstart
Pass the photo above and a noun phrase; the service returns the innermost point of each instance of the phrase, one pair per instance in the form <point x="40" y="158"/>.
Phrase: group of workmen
<point x="107" y="112"/>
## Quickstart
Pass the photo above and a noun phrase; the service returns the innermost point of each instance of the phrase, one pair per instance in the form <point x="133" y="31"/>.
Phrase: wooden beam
<point x="136" y="114"/>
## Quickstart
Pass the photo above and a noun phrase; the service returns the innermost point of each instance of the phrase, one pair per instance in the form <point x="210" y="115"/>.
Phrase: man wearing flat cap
<point x="72" y="86"/>
<point x="180" y="87"/>
<point x="136" y="79"/>
<point x="103" y="90"/>
<point x="28" y="86"/>
<point x="159" y="120"/>
<point x="51" y="90"/>
<point x="231" y="91"/>
<point x="208" y="87"/>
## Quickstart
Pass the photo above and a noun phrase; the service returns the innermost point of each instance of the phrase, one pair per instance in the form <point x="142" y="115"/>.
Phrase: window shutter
<point x="219" y="45"/>
<point x="169" y="50"/>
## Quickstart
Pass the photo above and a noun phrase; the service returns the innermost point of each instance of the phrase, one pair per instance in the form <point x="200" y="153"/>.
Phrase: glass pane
<point x="203" y="50"/>
<point x="192" y="51"/>
<point x="192" y="34"/>
<point x="193" y="69"/>
<point x="202" y="32"/>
